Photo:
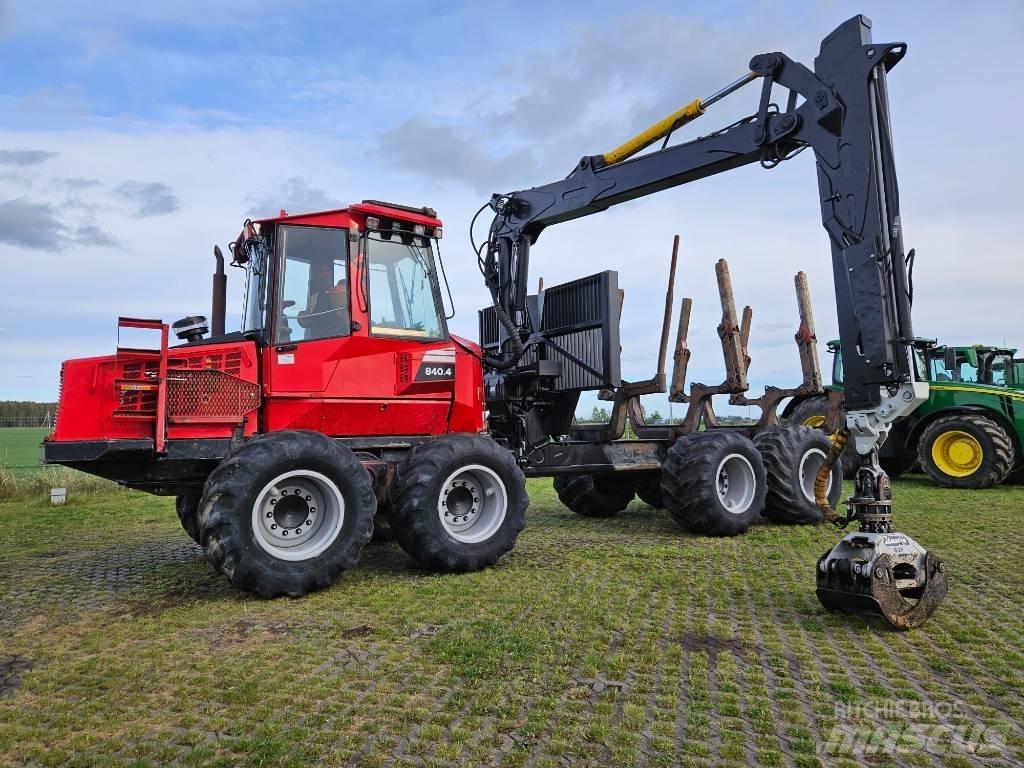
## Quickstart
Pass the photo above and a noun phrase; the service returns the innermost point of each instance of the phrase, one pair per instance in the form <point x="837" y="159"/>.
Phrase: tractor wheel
<point x="714" y="482"/>
<point x="648" y="489"/>
<point x="594" y="495"/>
<point x="187" y="508"/>
<point x="792" y="456"/>
<point x="813" y="412"/>
<point x="286" y="513"/>
<point x="966" y="450"/>
<point x="459" y="502"/>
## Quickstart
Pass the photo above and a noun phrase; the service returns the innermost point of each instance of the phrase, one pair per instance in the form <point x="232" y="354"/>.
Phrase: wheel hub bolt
<point x="273" y="526"/>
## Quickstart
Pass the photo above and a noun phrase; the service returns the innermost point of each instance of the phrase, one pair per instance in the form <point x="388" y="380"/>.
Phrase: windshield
<point x="837" y="366"/>
<point x="403" y="286"/>
<point x="920" y="366"/>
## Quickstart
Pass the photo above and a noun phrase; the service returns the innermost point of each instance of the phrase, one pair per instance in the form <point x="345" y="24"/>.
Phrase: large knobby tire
<point x="595" y="495"/>
<point x="286" y="513"/>
<point x="714" y="482"/>
<point x="187" y="508"/>
<point x="813" y="412"/>
<point x="966" y="450"/>
<point x="458" y="502"/>
<point x="792" y="456"/>
<point x="648" y="490"/>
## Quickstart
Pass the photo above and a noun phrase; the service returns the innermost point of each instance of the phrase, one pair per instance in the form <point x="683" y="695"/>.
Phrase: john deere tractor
<point x="970" y="431"/>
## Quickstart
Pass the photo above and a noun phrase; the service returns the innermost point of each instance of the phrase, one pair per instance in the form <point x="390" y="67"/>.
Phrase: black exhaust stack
<point x="220" y="292"/>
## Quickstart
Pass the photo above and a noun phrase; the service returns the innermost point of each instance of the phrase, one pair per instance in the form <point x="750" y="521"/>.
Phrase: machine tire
<point x="258" y="473"/>
<point x="187" y="508"/>
<point x="434" y="473"/>
<point x="594" y="495"/>
<point x="812" y="413"/>
<point x="992" y="453"/>
<point x="691" y="483"/>
<point x="792" y="455"/>
<point x="382" y="531"/>
<point x="648" y="490"/>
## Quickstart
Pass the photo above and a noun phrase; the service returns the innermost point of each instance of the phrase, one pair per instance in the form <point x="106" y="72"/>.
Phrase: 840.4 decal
<point x="435" y="372"/>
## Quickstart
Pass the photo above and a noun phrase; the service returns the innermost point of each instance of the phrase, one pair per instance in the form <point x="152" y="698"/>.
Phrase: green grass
<point x="19" y="446"/>
<point x="623" y="641"/>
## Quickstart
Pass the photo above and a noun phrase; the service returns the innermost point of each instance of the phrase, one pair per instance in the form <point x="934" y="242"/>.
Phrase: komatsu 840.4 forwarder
<point x="344" y="396"/>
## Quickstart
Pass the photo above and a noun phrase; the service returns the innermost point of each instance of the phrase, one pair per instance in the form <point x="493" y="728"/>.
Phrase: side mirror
<point x="949" y="359"/>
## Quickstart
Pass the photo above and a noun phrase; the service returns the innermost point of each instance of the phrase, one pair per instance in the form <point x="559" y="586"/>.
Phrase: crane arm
<point x="843" y="116"/>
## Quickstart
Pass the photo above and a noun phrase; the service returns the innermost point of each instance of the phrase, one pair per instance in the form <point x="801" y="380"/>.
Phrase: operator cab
<point x="368" y="269"/>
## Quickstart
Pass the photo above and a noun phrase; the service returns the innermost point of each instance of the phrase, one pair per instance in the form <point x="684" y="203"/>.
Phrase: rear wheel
<point x="792" y="457"/>
<point x="459" y="502"/>
<point x="714" y="482"/>
<point x="648" y="489"/>
<point x="286" y="513"/>
<point x="594" y="495"/>
<point x="966" y="450"/>
<point x="813" y="412"/>
<point x="187" y="508"/>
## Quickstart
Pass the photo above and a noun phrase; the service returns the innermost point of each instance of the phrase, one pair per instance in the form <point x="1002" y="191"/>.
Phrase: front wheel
<point x="286" y="513"/>
<point x="187" y="508"/>
<point x="714" y="482"/>
<point x="966" y="450"/>
<point x="458" y="502"/>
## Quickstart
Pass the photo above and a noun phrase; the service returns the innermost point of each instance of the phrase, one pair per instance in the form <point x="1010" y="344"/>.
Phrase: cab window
<point x="403" y="287"/>
<point x="837" y="367"/>
<point x="313" y="292"/>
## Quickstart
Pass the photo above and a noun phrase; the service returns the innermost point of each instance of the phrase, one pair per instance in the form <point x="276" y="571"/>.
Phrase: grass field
<point x="19" y="446"/>
<point x="596" y="642"/>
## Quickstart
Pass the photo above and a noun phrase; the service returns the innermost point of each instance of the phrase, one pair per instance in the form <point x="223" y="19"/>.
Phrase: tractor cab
<point x="977" y="364"/>
<point x="922" y="350"/>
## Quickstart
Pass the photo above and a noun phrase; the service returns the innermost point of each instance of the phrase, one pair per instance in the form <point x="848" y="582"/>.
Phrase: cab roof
<point x="340" y="216"/>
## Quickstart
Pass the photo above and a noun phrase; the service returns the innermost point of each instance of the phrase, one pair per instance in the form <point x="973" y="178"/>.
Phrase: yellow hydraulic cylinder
<point x="676" y="120"/>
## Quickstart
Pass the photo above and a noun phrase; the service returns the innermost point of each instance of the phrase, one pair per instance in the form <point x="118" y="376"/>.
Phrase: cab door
<point x="338" y="353"/>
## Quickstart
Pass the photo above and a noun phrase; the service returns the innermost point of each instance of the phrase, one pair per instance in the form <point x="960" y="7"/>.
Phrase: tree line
<point x="26" y="409"/>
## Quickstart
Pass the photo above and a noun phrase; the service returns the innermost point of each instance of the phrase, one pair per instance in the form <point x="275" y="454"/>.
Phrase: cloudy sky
<point x="134" y="136"/>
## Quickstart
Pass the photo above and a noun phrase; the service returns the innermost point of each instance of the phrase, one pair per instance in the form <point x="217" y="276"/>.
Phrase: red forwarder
<point x="344" y="335"/>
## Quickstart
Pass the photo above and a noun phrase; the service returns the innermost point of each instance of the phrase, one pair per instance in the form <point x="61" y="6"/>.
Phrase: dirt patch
<point x="713" y="645"/>
<point x="12" y="668"/>
<point x="361" y="631"/>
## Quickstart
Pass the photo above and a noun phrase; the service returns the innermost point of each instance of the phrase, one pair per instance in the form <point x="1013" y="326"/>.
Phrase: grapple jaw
<point x="882" y="573"/>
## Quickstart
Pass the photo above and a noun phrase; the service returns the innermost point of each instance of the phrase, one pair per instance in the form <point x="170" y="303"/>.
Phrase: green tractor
<point x="969" y="433"/>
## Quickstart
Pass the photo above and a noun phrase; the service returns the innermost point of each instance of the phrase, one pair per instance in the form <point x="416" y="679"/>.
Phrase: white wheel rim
<point x="298" y="515"/>
<point x="736" y="483"/>
<point x="810" y="463"/>
<point x="472" y="504"/>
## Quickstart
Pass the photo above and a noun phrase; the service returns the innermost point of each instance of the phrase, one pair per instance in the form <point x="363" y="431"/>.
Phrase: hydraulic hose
<point x="821" y="479"/>
<point x="518" y="350"/>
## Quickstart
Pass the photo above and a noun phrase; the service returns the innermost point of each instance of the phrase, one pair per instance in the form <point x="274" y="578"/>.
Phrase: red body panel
<point x="98" y="400"/>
